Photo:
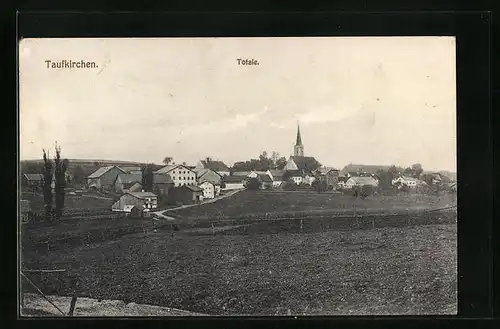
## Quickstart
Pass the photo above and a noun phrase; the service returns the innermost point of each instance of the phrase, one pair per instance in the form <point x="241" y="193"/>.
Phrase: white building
<point x="405" y="180"/>
<point x="208" y="190"/>
<point x="180" y="174"/>
<point x="360" y="181"/>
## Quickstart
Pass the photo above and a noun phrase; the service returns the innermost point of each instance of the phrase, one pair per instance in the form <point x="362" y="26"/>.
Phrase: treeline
<point x="263" y="163"/>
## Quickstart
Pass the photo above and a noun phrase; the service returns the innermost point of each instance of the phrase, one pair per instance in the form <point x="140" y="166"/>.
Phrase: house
<point x="402" y="180"/>
<point x="134" y="170"/>
<point x="276" y="176"/>
<point x="210" y="176"/>
<point x="33" y="180"/>
<point x="266" y="181"/>
<point x="207" y="175"/>
<point x="217" y="166"/>
<point x="303" y="164"/>
<point x="234" y="182"/>
<point x="180" y="174"/>
<point x="126" y="182"/>
<point x="328" y="175"/>
<point x="341" y="182"/>
<point x="208" y="190"/>
<point x="142" y="200"/>
<point x="256" y="173"/>
<point x="360" y="181"/>
<point x="104" y="177"/>
<point x="162" y="184"/>
<point x="186" y="194"/>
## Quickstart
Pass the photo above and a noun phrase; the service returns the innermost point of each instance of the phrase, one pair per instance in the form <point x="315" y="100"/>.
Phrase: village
<point x="178" y="185"/>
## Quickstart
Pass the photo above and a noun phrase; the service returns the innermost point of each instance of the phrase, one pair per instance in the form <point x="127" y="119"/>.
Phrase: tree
<point x="47" y="188"/>
<point x="290" y="185"/>
<point x="96" y="163"/>
<point x="393" y="170"/>
<point x="281" y="163"/>
<point x="60" y="182"/>
<point x="417" y="169"/>
<point x="274" y="158"/>
<point x="208" y="159"/>
<point x="367" y="190"/>
<point x="319" y="185"/>
<point x="384" y="179"/>
<point x="253" y="184"/>
<point x="78" y="175"/>
<point x="147" y="178"/>
<point x="167" y="160"/>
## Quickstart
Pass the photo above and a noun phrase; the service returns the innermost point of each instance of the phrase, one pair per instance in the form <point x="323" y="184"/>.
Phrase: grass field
<point x="268" y="204"/>
<point x="264" y="268"/>
<point x="71" y="202"/>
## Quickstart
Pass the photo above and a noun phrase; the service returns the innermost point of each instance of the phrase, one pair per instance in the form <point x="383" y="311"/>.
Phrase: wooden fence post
<point x="75" y="283"/>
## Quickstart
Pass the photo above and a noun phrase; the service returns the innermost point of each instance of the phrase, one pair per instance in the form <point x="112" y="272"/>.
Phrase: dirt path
<point x="230" y="193"/>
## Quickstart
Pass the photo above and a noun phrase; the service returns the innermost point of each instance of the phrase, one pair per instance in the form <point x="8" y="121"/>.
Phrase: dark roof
<point x="305" y="163"/>
<point x="142" y="195"/>
<point x="265" y="178"/>
<point x="130" y="178"/>
<point x="277" y="174"/>
<point x="214" y="165"/>
<point x="101" y="171"/>
<point x="193" y="188"/>
<point x="34" y="177"/>
<point x="343" y="179"/>
<point x="162" y="179"/>
<point x="234" y="179"/>
<point x="130" y="184"/>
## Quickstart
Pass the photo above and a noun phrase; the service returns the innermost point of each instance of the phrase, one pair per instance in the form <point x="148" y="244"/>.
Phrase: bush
<point x="290" y="185"/>
<point x="320" y="186"/>
<point x="367" y="190"/>
<point x="253" y="184"/>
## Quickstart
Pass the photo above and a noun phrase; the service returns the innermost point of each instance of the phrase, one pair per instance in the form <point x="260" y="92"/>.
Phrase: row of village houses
<point x="190" y="184"/>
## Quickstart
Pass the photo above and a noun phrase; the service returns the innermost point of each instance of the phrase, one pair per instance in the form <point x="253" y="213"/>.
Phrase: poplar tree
<point x="60" y="182"/>
<point x="47" y="187"/>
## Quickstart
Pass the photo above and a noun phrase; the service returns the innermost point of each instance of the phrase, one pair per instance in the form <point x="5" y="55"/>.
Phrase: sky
<point x="376" y="100"/>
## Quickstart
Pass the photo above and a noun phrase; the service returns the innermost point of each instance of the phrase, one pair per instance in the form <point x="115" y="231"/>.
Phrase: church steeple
<point x="299" y="148"/>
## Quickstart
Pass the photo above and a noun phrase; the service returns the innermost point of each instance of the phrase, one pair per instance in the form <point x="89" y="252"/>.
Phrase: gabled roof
<point x="305" y="163"/>
<point x="169" y="168"/>
<point x="265" y="178"/>
<point x="130" y="178"/>
<point x="363" y="180"/>
<point x="34" y="177"/>
<point x="142" y="195"/>
<point x="101" y="171"/>
<point x="162" y="179"/>
<point x="234" y="179"/>
<point x="130" y="169"/>
<point x="214" y="165"/>
<point x="241" y="173"/>
<point x="129" y="185"/>
<point x="193" y="188"/>
<point x="200" y="172"/>
<point x="277" y="174"/>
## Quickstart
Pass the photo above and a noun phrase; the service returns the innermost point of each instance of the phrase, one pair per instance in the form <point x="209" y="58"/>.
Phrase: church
<point x="299" y="167"/>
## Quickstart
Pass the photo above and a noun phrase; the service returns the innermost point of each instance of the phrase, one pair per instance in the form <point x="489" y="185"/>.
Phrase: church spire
<point x="298" y="150"/>
<point x="299" y="140"/>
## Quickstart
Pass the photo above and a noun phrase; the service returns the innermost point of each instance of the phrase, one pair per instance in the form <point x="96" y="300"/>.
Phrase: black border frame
<point x="475" y="148"/>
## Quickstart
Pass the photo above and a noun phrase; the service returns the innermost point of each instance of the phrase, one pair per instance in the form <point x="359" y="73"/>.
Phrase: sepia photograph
<point x="263" y="176"/>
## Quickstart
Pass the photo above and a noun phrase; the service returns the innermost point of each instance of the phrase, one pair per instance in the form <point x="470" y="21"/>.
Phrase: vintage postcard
<point x="237" y="176"/>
